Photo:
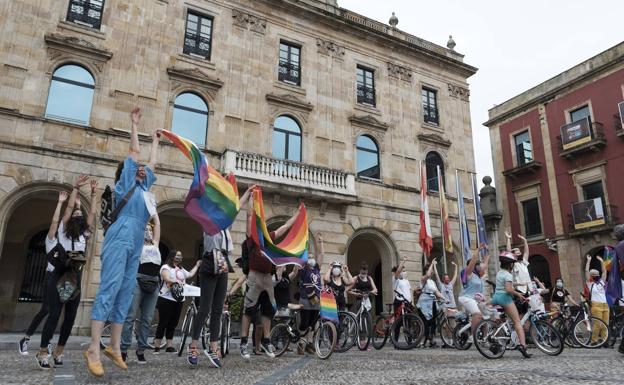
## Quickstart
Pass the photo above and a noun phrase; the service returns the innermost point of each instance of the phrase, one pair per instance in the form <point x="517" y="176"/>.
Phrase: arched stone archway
<point x="374" y="247"/>
<point x="539" y="267"/>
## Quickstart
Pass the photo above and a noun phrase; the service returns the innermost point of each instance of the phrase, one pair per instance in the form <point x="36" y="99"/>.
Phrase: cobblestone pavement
<point x="422" y="366"/>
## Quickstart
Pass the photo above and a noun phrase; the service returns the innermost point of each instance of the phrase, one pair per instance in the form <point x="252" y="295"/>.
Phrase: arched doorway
<point x="373" y="247"/>
<point x="595" y="263"/>
<point x="538" y="267"/>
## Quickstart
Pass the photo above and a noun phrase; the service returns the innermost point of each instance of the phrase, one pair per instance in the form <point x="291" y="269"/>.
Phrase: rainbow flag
<point x="293" y="250"/>
<point x="212" y="200"/>
<point x="609" y="253"/>
<point x="329" y="310"/>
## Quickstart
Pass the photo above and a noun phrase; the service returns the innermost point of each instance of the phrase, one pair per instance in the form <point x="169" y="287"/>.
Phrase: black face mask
<point x="80" y="222"/>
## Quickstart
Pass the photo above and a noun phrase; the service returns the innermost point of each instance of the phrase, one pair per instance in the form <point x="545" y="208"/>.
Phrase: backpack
<point x="108" y="214"/>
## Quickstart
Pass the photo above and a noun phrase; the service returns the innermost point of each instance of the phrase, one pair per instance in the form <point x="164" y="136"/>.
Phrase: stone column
<point x="492" y="217"/>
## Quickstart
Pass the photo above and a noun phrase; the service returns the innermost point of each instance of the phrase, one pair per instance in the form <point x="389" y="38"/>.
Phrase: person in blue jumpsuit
<point x="121" y="251"/>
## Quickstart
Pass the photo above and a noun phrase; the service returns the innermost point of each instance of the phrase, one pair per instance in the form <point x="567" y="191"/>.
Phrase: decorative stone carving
<point x="434" y="139"/>
<point x="327" y="47"/>
<point x="456" y="91"/>
<point x="75" y="45"/>
<point x="195" y="78"/>
<point x="289" y="100"/>
<point x="368" y="121"/>
<point x="248" y="21"/>
<point x="397" y="71"/>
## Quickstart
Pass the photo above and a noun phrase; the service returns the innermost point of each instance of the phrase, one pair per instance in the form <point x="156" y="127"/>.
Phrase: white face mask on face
<point x="336" y="271"/>
<point x="559" y="284"/>
<point x="312" y="262"/>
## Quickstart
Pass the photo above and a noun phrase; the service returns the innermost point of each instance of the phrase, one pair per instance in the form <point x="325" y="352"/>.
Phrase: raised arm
<point x="156" y="235"/>
<point x="293" y="274"/>
<point x="349" y="280"/>
<point x="539" y="283"/>
<point x="250" y="215"/>
<point x="508" y="237"/>
<point x="135" y="150"/>
<point x="93" y="211"/>
<point x="57" y="214"/>
<point x="454" y="273"/>
<point x="81" y="180"/>
<point x="431" y="267"/>
<point x="588" y="257"/>
<point x="327" y="275"/>
<point x="400" y="268"/>
<point x="472" y="263"/>
<point x="486" y="260"/>
<point x="286" y="226"/>
<point x="525" y="255"/>
<point x="320" y="255"/>
<point x="604" y="268"/>
<point x="194" y="270"/>
<point x="154" y="150"/>
<point x="244" y="200"/>
<point x="436" y="275"/>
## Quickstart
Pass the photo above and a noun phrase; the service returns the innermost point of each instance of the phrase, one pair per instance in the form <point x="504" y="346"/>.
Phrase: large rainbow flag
<point x="212" y="200"/>
<point x="293" y="250"/>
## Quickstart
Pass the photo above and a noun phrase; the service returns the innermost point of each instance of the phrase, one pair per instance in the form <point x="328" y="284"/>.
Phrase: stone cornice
<point x="368" y="121"/>
<point x="290" y="101"/>
<point x="459" y="92"/>
<point x="75" y="44"/>
<point x="435" y="139"/>
<point x="195" y="76"/>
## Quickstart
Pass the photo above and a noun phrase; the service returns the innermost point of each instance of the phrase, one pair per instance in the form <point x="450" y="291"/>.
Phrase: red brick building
<point x="558" y="153"/>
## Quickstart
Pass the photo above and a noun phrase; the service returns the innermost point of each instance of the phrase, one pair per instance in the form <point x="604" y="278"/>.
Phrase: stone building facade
<point x="242" y="68"/>
<point x="558" y="151"/>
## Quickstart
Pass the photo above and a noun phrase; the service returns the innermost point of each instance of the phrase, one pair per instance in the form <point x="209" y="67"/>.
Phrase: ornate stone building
<point x="309" y="100"/>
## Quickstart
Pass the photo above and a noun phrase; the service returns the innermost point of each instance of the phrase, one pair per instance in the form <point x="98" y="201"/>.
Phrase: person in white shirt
<point x="536" y="301"/>
<point x="446" y="286"/>
<point x="596" y="287"/>
<point x="522" y="278"/>
<point x="427" y="304"/>
<point x="401" y="285"/>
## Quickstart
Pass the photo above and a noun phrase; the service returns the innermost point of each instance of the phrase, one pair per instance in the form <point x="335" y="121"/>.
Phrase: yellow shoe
<point x="95" y="368"/>
<point x="117" y="360"/>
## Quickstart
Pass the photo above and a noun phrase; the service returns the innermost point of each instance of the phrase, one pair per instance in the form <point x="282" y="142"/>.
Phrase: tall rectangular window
<point x="524" y="151"/>
<point x="365" y="79"/>
<point x="430" y="105"/>
<point x="86" y="12"/>
<point x="579" y="113"/>
<point x="594" y="190"/>
<point x="198" y="35"/>
<point x="532" y="220"/>
<point x="289" y="64"/>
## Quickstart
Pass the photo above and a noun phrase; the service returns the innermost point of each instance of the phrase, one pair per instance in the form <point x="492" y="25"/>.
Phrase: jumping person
<point x="121" y="250"/>
<point x="73" y="232"/>
<point x="596" y="288"/>
<point x="145" y="293"/>
<point x="49" y="282"/>
<point x="472" y="288"/>
<point x="503" y="296"/>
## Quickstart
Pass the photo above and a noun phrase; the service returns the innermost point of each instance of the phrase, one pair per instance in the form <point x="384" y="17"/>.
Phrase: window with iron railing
<point x="32" y="288"/>
<point x="289" y="64"/>
<point x="524" y="151"/>
<point x="430" y="106"/>
<point x="86" y="12"/>
<point x="365" y="80"/>
<point x="198" y="35"/>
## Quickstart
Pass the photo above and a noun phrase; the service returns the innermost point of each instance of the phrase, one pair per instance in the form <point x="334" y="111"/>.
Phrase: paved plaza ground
<point x="388" y="366"/>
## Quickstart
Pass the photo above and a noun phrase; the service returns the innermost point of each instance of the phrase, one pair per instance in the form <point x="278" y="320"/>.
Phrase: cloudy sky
<point x="515" y="44"/>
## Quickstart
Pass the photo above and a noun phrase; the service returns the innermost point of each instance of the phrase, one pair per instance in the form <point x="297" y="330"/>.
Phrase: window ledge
<point x="289" y="87"/>
<point x="367" y="108"/>
<point x="431" y="126"/>
<point x="204" y="63"/>
<point x="70" y="26"/>
<point x="364" y="179"/>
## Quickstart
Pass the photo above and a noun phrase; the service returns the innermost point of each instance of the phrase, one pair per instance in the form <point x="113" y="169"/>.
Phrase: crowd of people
<point x="134" y="281"/>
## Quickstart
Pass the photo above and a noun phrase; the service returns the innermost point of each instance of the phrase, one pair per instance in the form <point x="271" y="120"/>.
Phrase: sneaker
<point x="214" y="358"/>
<point x="58" y="361"/>
<point x="244" y="352"/>
<point x="156" y="350"/>
<point x="170" y="349"/>
<point x="49" y="348"/>
<point x="23" y="346"/>
<point x="192" y="356"/>
<point x="124" y="356"/>
<point x="140" y="357"/>
<point x="43" y="361"/>
<point x="268" y="349"/>
<point x="470" y="340"/>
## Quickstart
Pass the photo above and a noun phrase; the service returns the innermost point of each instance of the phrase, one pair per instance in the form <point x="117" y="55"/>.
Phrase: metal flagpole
<point x="474" y="203"/>
<point x="440" y="188"/>
<point x="459" y="212"/>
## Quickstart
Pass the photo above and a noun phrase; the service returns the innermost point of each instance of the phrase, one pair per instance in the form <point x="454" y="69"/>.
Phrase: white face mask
<point x="336" y="271"/>
<point x="559" y="285"/>
<point x="312" y="262"/>
<point x="402" y="275"/>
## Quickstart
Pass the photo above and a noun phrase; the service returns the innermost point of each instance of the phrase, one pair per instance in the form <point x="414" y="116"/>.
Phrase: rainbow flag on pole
<point x="212" y="200"/>
<point x="293" y="250"/>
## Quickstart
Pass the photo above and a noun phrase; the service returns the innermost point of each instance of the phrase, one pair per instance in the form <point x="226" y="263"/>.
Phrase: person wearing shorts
<point x="472" y="286"/>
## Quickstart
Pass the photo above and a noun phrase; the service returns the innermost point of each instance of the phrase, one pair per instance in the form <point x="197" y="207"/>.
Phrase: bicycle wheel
<point x="546" y="338"/>
<point x="325" y="340"/>
<point x="407" y="331"/>
<point x="225" y="334"/>
<point x="461" y="340"/>
<point x="106" y="334"/>
<point x="616" y="330"/>
<point x="364" y="330"/>
<point x="591" y="333"/>
<point x="280" y="338"/>
<point x="488" y="339"/>
<point x="380" y="332"/>
<point x="204" y="334"/>
<point x="347" y="332"/>
<point x="563" y="328"/>
<point x="186" y="330"/>
<point x="445" y="330"/>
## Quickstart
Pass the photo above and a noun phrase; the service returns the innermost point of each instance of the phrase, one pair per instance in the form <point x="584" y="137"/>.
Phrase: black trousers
<point x="50" y="289"/>
<point x="213" y="290"/>
<point x="55" y="308"/>
<point x="430" y="325"/>
<point x="168" y="317"/>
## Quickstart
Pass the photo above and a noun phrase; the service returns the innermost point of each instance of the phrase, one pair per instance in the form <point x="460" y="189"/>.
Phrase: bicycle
<point x="107" y="330"/>
<point x="286" y="331"/>
<point x="444" y="324"/>
<point x="347" y="331"/>
<point x="389" y="325"/>
<point x="226" y="331"/>
<point x="492" y="338"/>
<point x="616" y="328"/>
<point x="364" y="320"/>
<point x="578" y="328"/>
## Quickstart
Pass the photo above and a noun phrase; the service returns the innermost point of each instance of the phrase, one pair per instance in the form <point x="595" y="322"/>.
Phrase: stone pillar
<point x="492" y="217"/>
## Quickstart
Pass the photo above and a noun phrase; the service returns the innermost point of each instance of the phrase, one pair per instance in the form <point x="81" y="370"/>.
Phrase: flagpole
<point x="459" y="214"/>
<point x="474" y="203"/>
<point x="440" y="192"/>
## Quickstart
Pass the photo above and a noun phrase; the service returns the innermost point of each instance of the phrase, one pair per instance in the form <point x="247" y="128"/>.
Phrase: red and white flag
<point x="425" y="238"/>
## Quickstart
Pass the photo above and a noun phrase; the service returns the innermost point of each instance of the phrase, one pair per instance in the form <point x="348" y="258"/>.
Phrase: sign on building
<point x="588" y="214"/>
<point x="576" y="133"/>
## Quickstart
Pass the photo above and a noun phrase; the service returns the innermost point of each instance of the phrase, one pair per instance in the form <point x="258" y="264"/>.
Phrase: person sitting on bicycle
<point x="401" y="285"/>
<point x="363" y="286"/>
<point x="536" y="289"/>
<point x="472" y="285"/>
<point x="281" y="289"/>
<point x="559" y="295"/>
<point x="338" y="278"/>
<point x="427" y="305"/>
<point x="503" y="296"/>
<point x="446" y="286"/>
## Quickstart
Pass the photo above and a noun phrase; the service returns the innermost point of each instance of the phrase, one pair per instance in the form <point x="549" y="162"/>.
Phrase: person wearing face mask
<point x="446" y="286"/>
<point x="559" y="295"/>
<point x="145" y="293"/>
<point x="338" y="278"/>
<point x="595" y="291"/>
<point x="169" y="309"/>
<point x="472" y="285"/>
<point x="401" y="285"/>
<point x="536" y="289"/>
<point x="310" y="294"/>
<point x="426" y="303"/>
<point x="522" y="278"/>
